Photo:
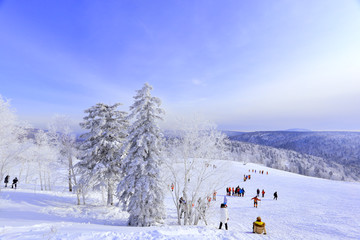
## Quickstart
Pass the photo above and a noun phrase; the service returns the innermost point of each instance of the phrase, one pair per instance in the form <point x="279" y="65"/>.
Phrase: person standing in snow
<point x="15" y="180"/>
<point x="275" y="195"/>
<point x="258" y="192"/>
<point x="172" y="187"/>
<point x="214" y="195"/>
<point x="225" y="200"/>
<point x="6" y="181"/>
<point x="263" y="193"/>
<point x="242" y="192"/>
<point x="256" y="199"/>
<point x="259" y="226"/>
<point x="182" y="206"/>
<point x="224" y="216"/>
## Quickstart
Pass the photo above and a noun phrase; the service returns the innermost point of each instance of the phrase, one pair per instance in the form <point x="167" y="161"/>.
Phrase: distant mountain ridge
<point x="334" y="147"/>
<point x="290" y="161"/>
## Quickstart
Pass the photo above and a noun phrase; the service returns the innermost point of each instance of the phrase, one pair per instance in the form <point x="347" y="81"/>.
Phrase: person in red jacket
<point x="256" y="199"/>
<point x="263" y="193"/>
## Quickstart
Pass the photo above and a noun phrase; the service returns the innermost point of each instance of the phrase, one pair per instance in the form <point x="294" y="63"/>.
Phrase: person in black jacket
<point x="275" y="195"/>
<point x="6" y="180"/>
<point x="15" y="180"/>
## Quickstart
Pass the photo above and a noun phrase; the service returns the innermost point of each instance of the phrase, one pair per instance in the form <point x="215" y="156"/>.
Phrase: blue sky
<point x="245" y="65"/>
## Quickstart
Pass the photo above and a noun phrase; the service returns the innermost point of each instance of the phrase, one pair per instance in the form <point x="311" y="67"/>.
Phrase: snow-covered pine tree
<point x="140" y="190"/>
<point x="100" y="149"/>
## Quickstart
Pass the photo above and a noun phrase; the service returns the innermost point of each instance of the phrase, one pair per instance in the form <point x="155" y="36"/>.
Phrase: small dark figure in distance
<point x="275" y="195"/>
<point x="6" y="181"/>
<point x="263" y="193"/>
<point x="257" y="192"/>
<point x="15" y="180"/>
<point x="259" y="226"/>
<point x="224" y="216"/>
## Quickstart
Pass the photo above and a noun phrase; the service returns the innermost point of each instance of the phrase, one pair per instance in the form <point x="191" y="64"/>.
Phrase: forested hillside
<point x="333" y="147"/>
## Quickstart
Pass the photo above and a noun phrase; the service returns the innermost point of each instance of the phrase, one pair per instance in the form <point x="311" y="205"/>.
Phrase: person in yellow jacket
<point x="259" y="226"/>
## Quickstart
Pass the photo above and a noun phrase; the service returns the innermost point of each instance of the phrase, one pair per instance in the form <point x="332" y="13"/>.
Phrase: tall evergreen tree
<point x="140" y="190"/>
<point x="100" y="149"/>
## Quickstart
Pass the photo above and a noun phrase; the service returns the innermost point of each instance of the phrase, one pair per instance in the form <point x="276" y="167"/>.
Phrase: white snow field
<point x="307" y="208"/>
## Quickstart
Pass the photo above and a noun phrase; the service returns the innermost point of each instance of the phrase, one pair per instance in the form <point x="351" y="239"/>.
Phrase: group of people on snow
<point x="258" y="193"/>
<point x="231" y="191"/>
<point x="14" y="184"/>
<point x="246" y="177"/>
<point x="259" y="171"/>
<point x="258" y="225"/>
<point x="198" y="210"/>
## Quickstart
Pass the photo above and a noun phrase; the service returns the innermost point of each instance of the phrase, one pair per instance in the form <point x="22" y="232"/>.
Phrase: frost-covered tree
<point x="12" y="134"/>
<point x="140" y="190"/>
<point x="191" y="156"/>
<point x="107" y="130"/>
<point x="43" y="154"/>
<point x="64" y="139"/>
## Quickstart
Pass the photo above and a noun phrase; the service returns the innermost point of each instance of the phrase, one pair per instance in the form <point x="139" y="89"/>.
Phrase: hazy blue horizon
<point x="245" y="65"/>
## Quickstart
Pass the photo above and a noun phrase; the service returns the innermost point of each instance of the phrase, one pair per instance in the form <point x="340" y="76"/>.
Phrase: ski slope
<point x="307" y="208"/>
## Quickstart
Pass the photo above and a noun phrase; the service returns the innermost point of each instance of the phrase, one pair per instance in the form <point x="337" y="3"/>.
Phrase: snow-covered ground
<point x="307" y="208"/>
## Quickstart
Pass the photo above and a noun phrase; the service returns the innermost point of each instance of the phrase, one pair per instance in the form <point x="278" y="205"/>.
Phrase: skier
<point x="263" y="193"/>
<point x="182" y="206"/>
<point x="275" y="196"/>
<point x="15" y="180"/>
<point x="233" y="191"/>
<point x="172" y="187"/>
<point x="258" y="192"/>
<point x="224" y="216"/>
<point x="256" y="199"/>
<point x="259" y="226"/>
<point x="6" y="180"/>
<point x="243" y="192"/>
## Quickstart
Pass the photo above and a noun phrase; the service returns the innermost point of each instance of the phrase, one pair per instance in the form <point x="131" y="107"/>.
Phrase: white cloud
<point x="198" y="82"/>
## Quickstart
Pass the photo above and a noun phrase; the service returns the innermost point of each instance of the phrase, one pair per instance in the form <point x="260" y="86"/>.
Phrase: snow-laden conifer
<point x="107" y="130"/>
<point x="140" y="190"/>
